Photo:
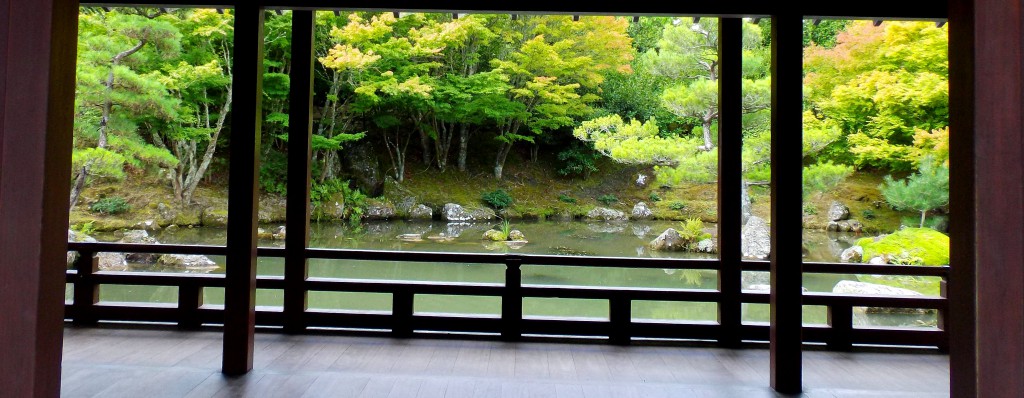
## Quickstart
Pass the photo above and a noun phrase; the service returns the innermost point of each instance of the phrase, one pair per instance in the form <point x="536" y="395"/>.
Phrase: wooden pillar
<point x="243" y="189"/>
<point x="300" y="133"/>
<point x="986" y="320"/>
<point x="37" y="90"/>
<point x="786" y="189"/>
<point x="730" y="176"/>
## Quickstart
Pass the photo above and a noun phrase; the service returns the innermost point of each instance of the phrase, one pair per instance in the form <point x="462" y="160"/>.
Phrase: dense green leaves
<point x="926" y="190"/>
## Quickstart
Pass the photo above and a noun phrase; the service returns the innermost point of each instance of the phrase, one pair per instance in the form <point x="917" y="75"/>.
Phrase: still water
<point x="573" y="238"/>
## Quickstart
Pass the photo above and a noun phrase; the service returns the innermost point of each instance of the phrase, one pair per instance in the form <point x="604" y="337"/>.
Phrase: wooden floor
<point x="109" y="362"/>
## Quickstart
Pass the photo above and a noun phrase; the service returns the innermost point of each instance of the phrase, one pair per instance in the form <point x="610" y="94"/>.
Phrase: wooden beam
<point x="864" y="9"/>
<point x="37" y="90"/>
<point x="786" y="191"/>
<point x="243" y="186"/>
<point x="960" y="319"/>
<point x="990" y="33"/>
<point x="300" y="134"/>
<point x="730" y="177"/>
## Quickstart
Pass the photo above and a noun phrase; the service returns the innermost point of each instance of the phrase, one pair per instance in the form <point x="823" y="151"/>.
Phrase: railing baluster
<point x="620" y="316"/>
<point x="87" y="292"/>
<point x="190" y="298"/>
<point x="401" y="313"/>
<point x="512" y="300"/>
<point x="941" y="315"/>
<point x="840" y="320"/>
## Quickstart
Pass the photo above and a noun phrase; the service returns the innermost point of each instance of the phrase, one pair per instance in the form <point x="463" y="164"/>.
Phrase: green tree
<point x="926" y="190"/>
<point x="689" y="55"/>
<point x="822" y="177"/>
<point x="118" y="88"/>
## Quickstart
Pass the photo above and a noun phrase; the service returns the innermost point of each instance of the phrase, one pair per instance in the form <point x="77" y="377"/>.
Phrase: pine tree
<point x="924" y="191"/>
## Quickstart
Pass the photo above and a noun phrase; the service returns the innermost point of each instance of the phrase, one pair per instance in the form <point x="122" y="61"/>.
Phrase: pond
<point x="571" y="238"/>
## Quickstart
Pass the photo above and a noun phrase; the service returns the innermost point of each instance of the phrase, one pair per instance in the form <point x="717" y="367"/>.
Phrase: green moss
<point x="910" y="245"/>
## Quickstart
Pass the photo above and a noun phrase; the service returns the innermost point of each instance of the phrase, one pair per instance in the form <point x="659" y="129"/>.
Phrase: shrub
<point x="498" y="199"/>
<point x="566" y="198"/>
<point x="868" y="214"/>
<point x="607" y="199"/>
<point x="810" y="209"/>
<point x="692" y="232"/>
<point x="111" y="205"/>
<point x="578" y="160"/>
<point x="354" y="199"/>
<point x="654" y="197"/>
<point x="677" y="205"/>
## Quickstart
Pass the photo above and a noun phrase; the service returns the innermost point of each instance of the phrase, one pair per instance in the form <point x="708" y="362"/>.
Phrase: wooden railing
<point x="620" y="328"/>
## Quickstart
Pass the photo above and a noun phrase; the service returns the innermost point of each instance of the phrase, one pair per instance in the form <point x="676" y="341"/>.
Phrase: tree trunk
<point x="534" y="152"/>
<point x="76" y="189"/>
<point x="463" y="146"/>
<point x="923" y="214"/>
<point x="499" y="163"/>
<point x="705" y="127"/>
<point x="425" y="145"/>
<point x="196" y="173"/>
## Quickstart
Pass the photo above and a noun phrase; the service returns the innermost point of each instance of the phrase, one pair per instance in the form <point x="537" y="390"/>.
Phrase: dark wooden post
<point x="190" y="298"/>
<point x="986" y="317"/>
<point x="243" y="188"/>
<point x="402" y="303"/>
<point x="787" y="186"/>
<point x="840" y="320"/>
<point x="37" y="91"/>
<point x="87" y="293"/>
<point x="730" y="178"/>
<point x="512" y="300"/>
<point x="300" y="133"/>
<point x="620" y="316"/>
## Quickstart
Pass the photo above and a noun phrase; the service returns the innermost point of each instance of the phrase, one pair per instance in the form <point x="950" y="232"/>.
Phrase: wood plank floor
<point x="148" y="363"/>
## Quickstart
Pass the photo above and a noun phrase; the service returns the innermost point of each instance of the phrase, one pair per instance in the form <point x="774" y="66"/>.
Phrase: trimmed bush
<point x="498" y="199"/>
<point x="111" y="205"/>
<point x="920" y="246"/>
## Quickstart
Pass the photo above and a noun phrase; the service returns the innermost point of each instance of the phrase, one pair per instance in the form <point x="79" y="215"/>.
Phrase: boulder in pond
<point x="641" y="212"/>
<point x="112" y="262"/>
<point x="756" y="242"/>
<point x="280" y="233"/>
<point x="263" y="234"/>
<point x="147" y="225"/>
<point x="843" y="226"/>
<point x="410" y="237"/>
<point x="832" y="226"/>
<point x="871" y="289"/>
<point x="668" y="241"/>
<point x="441" y="238"/>
<point x="214" y="217"/>
<point x="455" y="212"/>
<point x="188" y="262"/>
<point x="856" y="226"/>
<point x="140" y="237"/>
<point x="273" y="209"/>
<point x="838" y="212"/>
<point x="421" y="212"/>
<point x="516" y="235"/>
<point x="494" y="235"/>
<point x="377" y="210"/>
<point x="707" y="246"/>
<point x="852" y="255"/>
<point x="605" y="214"/>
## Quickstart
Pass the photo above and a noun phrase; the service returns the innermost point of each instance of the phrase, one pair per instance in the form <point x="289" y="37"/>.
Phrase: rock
<point x="441" y="238"/>
<point x="263" y="234"/>
<point x="832" y="226"/>
<point x="856" y="226"/>
<point x="516" y="235"/>
<point x="166" y="212"/>
<point x="188" y="262"/>
<point x="852" y="255"/>
<point x="112" y="262"/>
<point x="707" y="246"/>
<point x="80" y="237"/>
<point x="494" y="235"/>
<point x="641" y="212"/>
<point x="606" y="214"/>
<point x="745" y="205"/>
<point x="280" y="233"/>
<point x="668" y="241"/>
<point x="756" y="242"/>
<point x="641" y="180"/>
<point x="878" y="260"/>
<point x="410" y="237"/>
<point x="148" y="225"/>
<point x="378" y="210"/>
<point x="515" y="244"/>
<point x="838" y="212"/>
<point x="455" y="212"/>
<point x="844" y="226"/>
<point x="214" y="218"/>
<point x="172" y="228"/>
<point x="421" y="212"/>
<point x="871" y="289"/>
<point x="140" y="237"/>
<point x="360" y="163"/>
<point x="923" y="246"/>
<point x="273" y="209"/>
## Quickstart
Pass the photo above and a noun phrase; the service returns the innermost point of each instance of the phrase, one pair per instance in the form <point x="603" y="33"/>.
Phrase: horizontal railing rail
<point x="619" y="326"/>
